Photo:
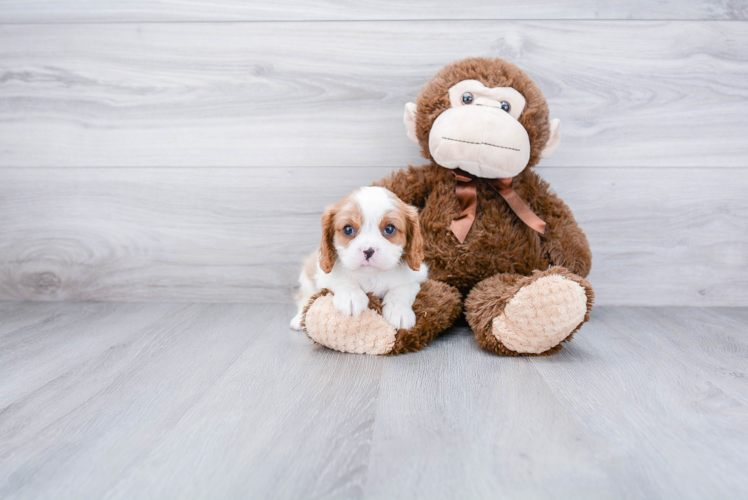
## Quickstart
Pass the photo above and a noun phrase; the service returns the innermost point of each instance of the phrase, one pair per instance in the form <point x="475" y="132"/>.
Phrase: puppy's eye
<point x="506" y="106"/>
<point x="467" y="98"/>
<point x="389" y="229"/>
<point x="348" y="230"/>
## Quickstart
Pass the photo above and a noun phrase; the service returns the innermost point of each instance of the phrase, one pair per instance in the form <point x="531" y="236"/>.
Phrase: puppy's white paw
<point x="296" y="322"/>
<point x="399" y="315"/>
<point x="351" y="303"/>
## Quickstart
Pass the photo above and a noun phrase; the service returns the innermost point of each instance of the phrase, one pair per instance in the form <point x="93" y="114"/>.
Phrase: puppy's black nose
<point x="369" y="252"/>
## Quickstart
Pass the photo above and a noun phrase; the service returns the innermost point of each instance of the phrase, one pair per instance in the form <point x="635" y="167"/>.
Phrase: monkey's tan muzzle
<point x="481" y="139"/>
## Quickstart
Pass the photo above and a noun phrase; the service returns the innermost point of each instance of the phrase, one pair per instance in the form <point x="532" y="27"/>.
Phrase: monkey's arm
<point x="412" y="185"/>
<point x="564" y="242"/>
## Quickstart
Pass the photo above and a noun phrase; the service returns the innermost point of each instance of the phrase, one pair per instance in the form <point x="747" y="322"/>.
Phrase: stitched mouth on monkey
<point x="482" y="144"/>
<point x="483" y="141"/>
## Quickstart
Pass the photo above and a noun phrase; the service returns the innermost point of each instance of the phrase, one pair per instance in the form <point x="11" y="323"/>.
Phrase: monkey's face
<point x="480" y="132"/>
<point x="484" y="116"/>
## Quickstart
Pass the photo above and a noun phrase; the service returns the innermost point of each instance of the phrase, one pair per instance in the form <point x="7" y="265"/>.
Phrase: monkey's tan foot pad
<point x="436" y="307"/>
<point x="368" y="333"/>
<point x="541" y="315"/>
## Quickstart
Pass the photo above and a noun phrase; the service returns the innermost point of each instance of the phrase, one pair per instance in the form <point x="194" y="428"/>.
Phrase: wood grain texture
<point x="650" y="391"/>
<point x="28" y="353"/>
<point x="224" y="401"/>
<point x="619" y="395"/>
<point x="106" y="424"/>
<point x="628" y="93"/>
<point x="658" y="236"/>
<point x="488" y="427"/>
<point x="56" y="11"/>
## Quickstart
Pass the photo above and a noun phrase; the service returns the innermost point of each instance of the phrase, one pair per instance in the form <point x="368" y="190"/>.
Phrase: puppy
<point x="371" y="242"/>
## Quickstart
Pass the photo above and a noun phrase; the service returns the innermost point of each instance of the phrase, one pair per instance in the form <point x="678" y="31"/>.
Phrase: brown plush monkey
<point x="499" y="244"/>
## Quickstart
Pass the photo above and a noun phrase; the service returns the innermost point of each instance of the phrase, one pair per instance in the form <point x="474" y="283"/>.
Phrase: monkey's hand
<point x="564" y="241"/>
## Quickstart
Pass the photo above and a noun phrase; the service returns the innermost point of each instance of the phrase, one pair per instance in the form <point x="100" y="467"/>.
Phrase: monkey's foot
<point x="367" y="333"/>
<point x="531" y="315"/>
<point x="541" y="315"/>
<point x="436" y="307"/>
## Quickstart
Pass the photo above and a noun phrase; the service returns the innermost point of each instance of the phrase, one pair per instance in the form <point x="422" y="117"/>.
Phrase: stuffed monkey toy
<point x="500" y="245"/>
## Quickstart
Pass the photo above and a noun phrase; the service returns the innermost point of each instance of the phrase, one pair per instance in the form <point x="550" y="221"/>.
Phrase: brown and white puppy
<point x="371" y="242"/>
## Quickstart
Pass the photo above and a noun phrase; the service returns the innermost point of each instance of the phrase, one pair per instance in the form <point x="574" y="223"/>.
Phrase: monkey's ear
<point x="555" y="138"/>
<point x="410" y="121"/>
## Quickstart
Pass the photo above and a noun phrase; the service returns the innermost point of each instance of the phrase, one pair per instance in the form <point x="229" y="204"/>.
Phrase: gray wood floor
<point x="157" y="400"/>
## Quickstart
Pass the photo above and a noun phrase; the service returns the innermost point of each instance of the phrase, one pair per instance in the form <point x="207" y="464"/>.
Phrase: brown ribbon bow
<point x="467" y="194"/>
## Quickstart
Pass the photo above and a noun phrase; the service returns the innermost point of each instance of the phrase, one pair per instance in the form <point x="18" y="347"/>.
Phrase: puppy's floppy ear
<point x="327" y="247"/>
<point x="413" y="252"/>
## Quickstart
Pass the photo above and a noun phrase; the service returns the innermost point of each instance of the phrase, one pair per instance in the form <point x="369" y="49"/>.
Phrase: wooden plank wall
<point x="173" y="150"/>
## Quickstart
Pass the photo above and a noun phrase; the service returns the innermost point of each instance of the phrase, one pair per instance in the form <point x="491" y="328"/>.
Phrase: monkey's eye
<point x="467" y="98"/>
<point x="506" y="106"/>
<point x="348" y="230"/>
<point x="389" y="229"/>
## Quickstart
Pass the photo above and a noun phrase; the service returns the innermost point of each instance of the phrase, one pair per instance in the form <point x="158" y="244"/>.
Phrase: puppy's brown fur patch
<point x="397" y="219"/>
<point x="335" y="218"/>
<point x="348" y="214"/>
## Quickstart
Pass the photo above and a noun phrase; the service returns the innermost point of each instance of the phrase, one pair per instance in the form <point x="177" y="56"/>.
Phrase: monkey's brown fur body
<point x="492" y="273"/>
<point x="498" y="242"/>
